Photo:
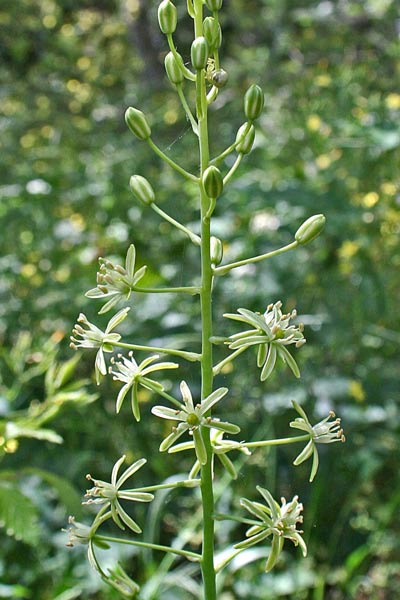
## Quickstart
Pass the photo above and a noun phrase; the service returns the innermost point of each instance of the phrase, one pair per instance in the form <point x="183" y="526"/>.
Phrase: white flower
<point x="324" y="432"/>
<point x="115" y="281"/>
<point x="132" y="375"/>
<point x="88" y="335"/>
<point x="271" y="332"/>
<point x="109" y="494"/>
<point x="191" y="417"/>
<point x="277" y="520"/>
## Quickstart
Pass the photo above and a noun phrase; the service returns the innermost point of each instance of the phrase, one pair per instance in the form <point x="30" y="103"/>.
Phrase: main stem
<point x="207" y="492"/>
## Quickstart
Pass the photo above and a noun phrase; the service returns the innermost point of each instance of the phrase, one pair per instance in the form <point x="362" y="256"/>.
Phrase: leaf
<point x="18" y="515"/>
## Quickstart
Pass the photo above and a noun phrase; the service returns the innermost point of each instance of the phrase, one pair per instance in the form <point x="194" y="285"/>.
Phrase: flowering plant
<point x="272" y="333"/>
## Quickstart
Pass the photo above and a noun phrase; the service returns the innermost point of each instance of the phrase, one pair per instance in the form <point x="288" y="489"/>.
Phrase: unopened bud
<point x="212" y="33"/>
<point x="174" y="68"/>
<point x="214" y="4"/>
<point x="142" y="189"/>
<point x="310" y="229"/>
<point x="137" y="123"/>
<point x="199" y="53"/>
<point x="213" y="182"/>
<point x="253" y="102"/>
<point x="245" y="146"/>
<point x="167" y="17"/>
<point x="219" y="78"/>
<point x="216" y="251"/>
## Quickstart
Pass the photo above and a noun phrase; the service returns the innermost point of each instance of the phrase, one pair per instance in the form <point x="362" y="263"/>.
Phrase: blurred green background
<point x="328" y="141"/>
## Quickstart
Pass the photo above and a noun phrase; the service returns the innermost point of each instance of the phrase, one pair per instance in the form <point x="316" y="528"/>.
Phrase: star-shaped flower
<point x="324" y="432"/>
<point x="272" y="333"/>
<point x="132" y="375"/>
<point x="220" y="448"/>
<point x="115" y="281"/>
<point x="87" y="335"/>
<point x="191" y="417"/>
<point x="277" y="520"/>
<point x="110" y="494"/>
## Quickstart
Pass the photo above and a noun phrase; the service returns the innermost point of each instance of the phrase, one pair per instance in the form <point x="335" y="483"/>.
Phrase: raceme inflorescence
<point x="195" y="422"/>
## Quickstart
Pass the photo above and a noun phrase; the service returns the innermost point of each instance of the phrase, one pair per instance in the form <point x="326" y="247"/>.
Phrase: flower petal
<point x="117" y="319"/>
<point x="130" y="471"/>
<point x="289" y="360"/>
<point x="169" y="413"/>
<point x="121" y="396"/>
<point x="212" y="399"/>
<point x="130" y="261"/>
<point x="199" y="447"/>
<point x="269" y="363"/>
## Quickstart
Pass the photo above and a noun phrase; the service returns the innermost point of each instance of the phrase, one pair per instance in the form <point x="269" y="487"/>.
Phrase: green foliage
<point x="18" y="514"/>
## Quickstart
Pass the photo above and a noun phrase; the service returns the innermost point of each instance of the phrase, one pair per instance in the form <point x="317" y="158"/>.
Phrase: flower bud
<point x="253" y="102"/>
<point x="167" y="16"/>
<point x="245" y="146"/>
<point x="214" y="4"/>
<point x="173" y="69"/>
<point x="137" y="123"/>
<point x="216" y="251"/>
<point x="310" y="229"/>
<point x="142" y="189"/>
<point x="213" y="182"/>
<point x="219" y="78"/>
<point x="212" y="33"/>
<point x="199" y="53"/>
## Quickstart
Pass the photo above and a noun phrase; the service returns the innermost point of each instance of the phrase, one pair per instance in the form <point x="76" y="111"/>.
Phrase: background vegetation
<point x="328" y="142"/>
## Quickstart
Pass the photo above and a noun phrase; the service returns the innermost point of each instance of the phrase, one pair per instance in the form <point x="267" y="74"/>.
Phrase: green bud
<point x="167" y="16"/>
<point x="212" y="32"/>
<point x="216" y="251"/>
<point x="199" y="53"/>
<point x="245" y="146"/>
<point x="219" y="78"/>
<point x="142" y="189"/>
<point x="213" y="182"/>
<point x="174" y="71"/>
<point x="310" y="229"/>
<point x="214" y="4"/>
<point x="253" y="102"/>
<point x="137" y="123"/>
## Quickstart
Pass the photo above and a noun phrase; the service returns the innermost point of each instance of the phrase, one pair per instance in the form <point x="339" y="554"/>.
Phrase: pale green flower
<point x="120" y="580"/>
<point x="220" y="448"/>
<point x="324" y="432"/>
<point x="132" y="375"/>
<point x="191" y="417"/>
<point x="116" y="282"/>
<point x="87" y="335"/>
<point x="277" y="520"/>
<point x="109" y="494"/>
<point x="272" y="333"/>
<point x="80" y="534"/>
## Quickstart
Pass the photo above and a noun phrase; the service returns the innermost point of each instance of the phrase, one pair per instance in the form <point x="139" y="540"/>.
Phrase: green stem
<point x="192" y="290"/>
<point x="233" y="169"/>
<point x="186" y="553"/>
<point x="170" y="162"/>
<point x="192" y="236"/>
<point x="278" y="442"/>
<point x="149" y="384"/>
<point x="232" y="147"/>
<point x="217" y="369"/>
<point x="191" y="356"/>
<point x="167" y="486"/>
<point x="187" y="110"/>
<point x="247" y="261"/>
<point x="187" y="72"/>
<point x="207" y="492"/>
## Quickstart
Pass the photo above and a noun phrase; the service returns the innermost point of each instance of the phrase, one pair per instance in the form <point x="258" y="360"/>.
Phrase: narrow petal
<point x="251" y="340"/>
<point x="96" y="293"/>
<point x="130" y="471"/>
<point x="305" y="453"/>
<point x="315" y="464"/>
<point x="135" y="402"/>
<point x="253" y="508"/>
<point x="172" y="437"/>
<point x="115" y="516"/>
<point x="114" y="473"/>
<point x="130" y="261"/>
<point x="276" y="549"/>
<point x="187" y="396"/>
<point x="117" y="319"/>
<point x="139" y="275"/>
<point x="253" y="540"/>
<point x="262" y="354"/>
<point x="212" y="399"/>
<point x="158" y="367"/>
<point x="223" y="426"/>
<point x="168" y="413"/>
<point x="257" y="320"/>
<point x="273" y="505"/>
<point x="111" y="303"/>
<point x="129" y="522"/>
<point x="228" y="465"/>
<point x="135" y="496"/>
<point x="300" y="410"/>
<point x="269" y="363"/>
<point x="121" y="397"/>
<point x="181" y="447"/>
<point x="199" y="447"/>
<point x="289" y="360"/>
